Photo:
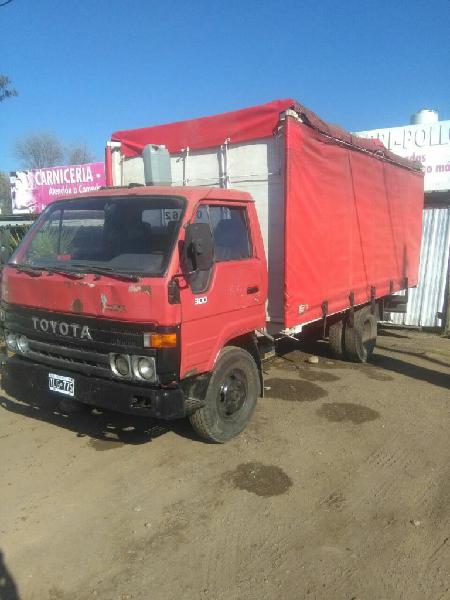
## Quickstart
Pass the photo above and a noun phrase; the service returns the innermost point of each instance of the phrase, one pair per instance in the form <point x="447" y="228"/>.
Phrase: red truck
<point x="159" y="294"/>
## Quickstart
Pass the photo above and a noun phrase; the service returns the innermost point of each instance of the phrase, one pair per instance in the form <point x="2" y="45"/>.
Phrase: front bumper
<point x="23" y="378"/>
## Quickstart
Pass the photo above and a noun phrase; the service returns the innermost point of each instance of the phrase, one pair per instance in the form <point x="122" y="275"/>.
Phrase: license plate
<point x="61" y="384"/>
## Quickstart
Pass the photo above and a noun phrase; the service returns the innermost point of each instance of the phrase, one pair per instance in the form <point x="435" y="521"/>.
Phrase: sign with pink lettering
<point x="33" y="190"/>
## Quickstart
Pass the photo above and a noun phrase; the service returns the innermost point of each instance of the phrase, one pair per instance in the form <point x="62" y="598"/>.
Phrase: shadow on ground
<point x="8" y="588"/>
<point x="391" y="333"/>
<point x="376" y="368"/>
<point x="420" y="354"/>
<point x="107" y="429"/>
<point x="411" y="370"/>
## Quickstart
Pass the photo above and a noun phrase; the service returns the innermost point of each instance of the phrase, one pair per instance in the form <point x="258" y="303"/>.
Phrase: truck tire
<point x="230" y="398"/>
<point x="360" y="339"/>
<point x="336" y="339"/>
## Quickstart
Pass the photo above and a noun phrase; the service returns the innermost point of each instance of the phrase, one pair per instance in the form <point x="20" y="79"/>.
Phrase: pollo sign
<point x="428" y="144"/>
<point x="32" y="190"/>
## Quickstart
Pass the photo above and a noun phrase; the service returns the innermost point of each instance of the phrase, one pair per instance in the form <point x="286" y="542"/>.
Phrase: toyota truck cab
<point x="144" y="300"/>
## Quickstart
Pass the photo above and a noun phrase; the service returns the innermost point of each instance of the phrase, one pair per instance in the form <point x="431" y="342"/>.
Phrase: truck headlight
<point x="11" y="341"/>
<point x="144" y="368"/>
<point x="22" y="344"/>
<point x="120" y="364"/>
<point x="133" y="367"/>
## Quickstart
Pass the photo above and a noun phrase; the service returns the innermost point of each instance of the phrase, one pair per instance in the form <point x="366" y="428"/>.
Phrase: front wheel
<point x="230" y="398"/>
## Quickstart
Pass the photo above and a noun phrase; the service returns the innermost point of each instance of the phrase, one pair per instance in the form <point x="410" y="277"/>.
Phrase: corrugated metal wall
<point x="427" y="299"/>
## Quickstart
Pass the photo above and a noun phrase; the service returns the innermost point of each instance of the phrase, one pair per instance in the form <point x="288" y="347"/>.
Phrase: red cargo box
<point x="341" y="216"/>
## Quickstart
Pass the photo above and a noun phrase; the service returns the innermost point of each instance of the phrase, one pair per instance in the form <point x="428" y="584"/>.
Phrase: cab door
<point x="228" y="300"/>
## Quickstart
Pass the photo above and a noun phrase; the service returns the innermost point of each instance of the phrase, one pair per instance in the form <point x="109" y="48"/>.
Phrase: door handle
<point x="253" y="289"/>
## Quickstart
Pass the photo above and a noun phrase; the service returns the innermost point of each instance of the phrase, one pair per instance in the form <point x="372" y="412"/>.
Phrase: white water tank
<point x="157" y="169"/>
<point x="425" y="116"/>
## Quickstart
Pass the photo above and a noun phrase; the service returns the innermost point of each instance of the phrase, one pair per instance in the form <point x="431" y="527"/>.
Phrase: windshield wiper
<point x="38" y="271"/>
<point x="68" y="273"/>
<point x="33" y="271"/>
<point x="108" y="271"/>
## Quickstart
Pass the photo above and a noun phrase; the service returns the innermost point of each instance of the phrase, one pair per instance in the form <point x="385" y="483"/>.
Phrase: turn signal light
<point x="160" y="340"/>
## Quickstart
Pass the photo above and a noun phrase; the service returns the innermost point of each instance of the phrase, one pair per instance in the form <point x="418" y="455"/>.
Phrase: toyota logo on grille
<point x="61" y="328"/>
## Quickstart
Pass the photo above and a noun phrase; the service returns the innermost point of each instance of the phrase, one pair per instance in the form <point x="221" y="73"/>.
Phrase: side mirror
<point x="198" y="249"/>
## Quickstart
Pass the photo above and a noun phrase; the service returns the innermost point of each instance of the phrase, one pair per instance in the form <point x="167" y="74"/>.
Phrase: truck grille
<point x="87" y="362"/>
<point x="65" y="348"/>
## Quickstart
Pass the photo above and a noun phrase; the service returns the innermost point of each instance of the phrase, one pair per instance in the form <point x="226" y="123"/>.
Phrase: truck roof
<point x="192" y="194"/>
<point x="243" y="125"/>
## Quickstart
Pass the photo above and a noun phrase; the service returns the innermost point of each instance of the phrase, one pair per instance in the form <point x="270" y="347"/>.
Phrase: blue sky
<point x="84" y="69"/>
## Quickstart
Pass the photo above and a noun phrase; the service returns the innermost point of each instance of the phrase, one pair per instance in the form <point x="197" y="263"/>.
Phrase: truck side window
<point x="230" y="231"/>
<point x="202" y="215"/>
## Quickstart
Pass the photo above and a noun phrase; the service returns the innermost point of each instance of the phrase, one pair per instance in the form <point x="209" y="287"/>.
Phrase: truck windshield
<point x="116" y="234"/>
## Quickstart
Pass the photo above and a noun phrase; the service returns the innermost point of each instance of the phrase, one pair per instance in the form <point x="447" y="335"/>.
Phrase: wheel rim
<point x="232" y="394"/>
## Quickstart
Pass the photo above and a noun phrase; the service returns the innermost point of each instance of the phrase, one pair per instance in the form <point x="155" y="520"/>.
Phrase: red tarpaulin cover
<point x="352" y="223"/>
<point x="237" y="126"/>
<point x="353" y="208"/>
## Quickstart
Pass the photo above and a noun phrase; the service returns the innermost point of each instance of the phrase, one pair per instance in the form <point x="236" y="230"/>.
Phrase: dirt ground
<point x="339" y="489"/>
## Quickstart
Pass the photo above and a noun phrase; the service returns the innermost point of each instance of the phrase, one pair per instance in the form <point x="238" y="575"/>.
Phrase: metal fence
<point x="427" y="300"/>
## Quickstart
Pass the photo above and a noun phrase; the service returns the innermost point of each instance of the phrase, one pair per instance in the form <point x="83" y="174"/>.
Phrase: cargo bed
<point x="340" y="216"/>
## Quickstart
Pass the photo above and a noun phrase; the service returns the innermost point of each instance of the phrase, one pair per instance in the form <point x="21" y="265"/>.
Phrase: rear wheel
<point x="336" y="339"/>
<point x="230" y="398"/>
<point x="360" y="339"/>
